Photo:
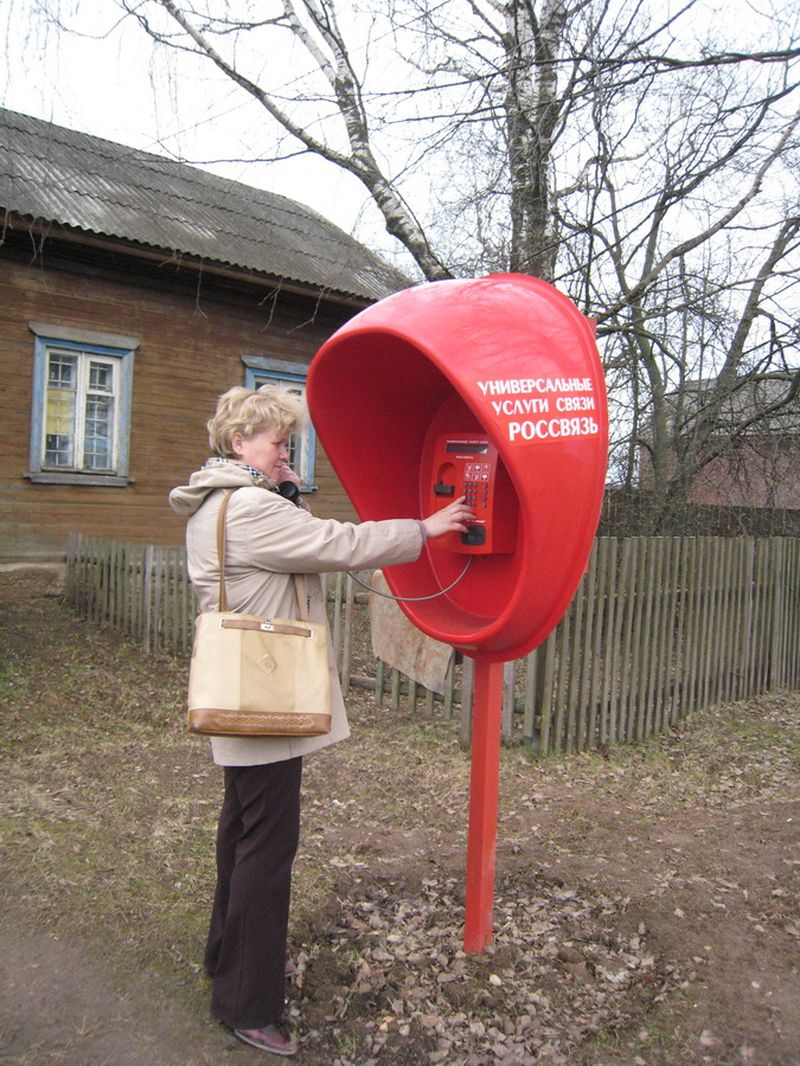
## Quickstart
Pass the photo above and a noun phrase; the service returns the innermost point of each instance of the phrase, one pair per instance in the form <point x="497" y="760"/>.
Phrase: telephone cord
<point x="414" y="599"/>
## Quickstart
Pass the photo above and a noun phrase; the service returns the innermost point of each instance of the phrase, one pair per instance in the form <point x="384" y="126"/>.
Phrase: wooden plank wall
<point x="659" y="627"/>
<point x="194" y="330"/>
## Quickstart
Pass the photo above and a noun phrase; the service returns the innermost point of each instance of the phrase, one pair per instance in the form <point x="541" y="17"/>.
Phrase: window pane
<point x="98" y="430"/>
<point x="101" y="377"/>
<point x="57" y="450"/>
<point x="294" y="450"/>
<point x="59" y="429"/>
<point x="297" y="440"/>
<point x="98" y="433"/>
<point x="61" y="371"/>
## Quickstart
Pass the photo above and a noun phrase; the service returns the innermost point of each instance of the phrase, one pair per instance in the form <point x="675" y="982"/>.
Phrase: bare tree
<point x="615" y="149"/>
<point x="717" y="307"/>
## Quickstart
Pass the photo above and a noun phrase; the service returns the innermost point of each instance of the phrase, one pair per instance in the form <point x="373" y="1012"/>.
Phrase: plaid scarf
<point x="258" y="478"/>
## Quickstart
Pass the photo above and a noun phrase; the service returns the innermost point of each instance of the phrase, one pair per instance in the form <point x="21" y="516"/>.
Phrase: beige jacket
<point x="268" y="540"/>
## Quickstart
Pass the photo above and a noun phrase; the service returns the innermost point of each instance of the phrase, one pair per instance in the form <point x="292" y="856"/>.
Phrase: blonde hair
<point x="250" y="411"/>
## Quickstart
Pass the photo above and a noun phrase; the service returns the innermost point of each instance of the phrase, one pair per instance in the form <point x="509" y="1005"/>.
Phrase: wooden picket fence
<point x="659" y="627"/>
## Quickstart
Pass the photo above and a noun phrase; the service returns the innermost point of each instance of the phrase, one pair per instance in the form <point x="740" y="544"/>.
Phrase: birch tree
<point x="628" y="153"/>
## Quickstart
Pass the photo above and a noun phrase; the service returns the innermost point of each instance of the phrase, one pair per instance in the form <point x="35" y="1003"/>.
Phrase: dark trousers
<point x="257" y="838"/>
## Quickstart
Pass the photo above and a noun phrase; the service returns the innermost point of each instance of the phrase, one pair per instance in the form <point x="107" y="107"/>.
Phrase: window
<point x="291" y="376"/>
<point x="81" y="406"/>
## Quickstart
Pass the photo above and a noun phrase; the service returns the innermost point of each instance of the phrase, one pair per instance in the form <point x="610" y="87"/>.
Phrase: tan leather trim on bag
<point x="226" y="723"/>
<point x="265" y="625"/>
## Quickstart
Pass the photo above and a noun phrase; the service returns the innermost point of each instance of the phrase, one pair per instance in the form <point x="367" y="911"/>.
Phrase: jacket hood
<point x="186" y="499"/>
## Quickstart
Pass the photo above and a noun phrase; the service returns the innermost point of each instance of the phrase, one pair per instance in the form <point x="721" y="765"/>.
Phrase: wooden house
<point x="750" y="456"/>
<point x="133" y="291"/>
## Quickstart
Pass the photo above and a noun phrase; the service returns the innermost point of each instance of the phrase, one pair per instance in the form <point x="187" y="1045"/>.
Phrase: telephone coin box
<point x="467" y="466"/>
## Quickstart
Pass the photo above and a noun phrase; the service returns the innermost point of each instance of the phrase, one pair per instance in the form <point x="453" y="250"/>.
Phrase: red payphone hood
<point x="506" y="355"/>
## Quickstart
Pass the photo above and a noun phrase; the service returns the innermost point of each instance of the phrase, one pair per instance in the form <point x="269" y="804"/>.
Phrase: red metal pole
<point x="482" y="838"/>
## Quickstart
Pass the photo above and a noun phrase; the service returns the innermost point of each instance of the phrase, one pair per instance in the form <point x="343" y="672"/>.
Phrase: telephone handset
<point x="468" y="466"/>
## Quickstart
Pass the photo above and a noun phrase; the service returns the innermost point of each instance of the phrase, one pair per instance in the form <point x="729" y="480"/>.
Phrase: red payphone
<point x="507" y="360"/>
<point x="495" y="389"/>
<point x="468" y="464"/>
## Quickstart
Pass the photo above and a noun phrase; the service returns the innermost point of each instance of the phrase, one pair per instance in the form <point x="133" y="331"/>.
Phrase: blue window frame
<point x="292" y="376"/>
<point x="80" y="421"/>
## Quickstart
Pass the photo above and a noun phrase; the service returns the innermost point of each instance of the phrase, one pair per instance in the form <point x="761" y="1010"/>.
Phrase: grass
<point x="109" y="806"/>
<point x="743" y="749"/>
<point x="89" y="737"/>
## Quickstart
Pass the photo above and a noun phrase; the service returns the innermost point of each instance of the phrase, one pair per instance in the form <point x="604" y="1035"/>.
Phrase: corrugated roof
<point x="54" y="174"/>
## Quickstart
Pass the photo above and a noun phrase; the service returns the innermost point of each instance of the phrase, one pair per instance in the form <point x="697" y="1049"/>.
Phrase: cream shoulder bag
<point x="253" y="676"/>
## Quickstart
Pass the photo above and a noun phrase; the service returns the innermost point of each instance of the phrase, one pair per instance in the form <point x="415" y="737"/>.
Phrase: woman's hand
<point x="451" y="519"/>
<point x="283" y="472"/>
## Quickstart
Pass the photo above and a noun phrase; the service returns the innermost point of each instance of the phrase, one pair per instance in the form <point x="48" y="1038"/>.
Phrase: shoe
<point x="271" y="1038"/>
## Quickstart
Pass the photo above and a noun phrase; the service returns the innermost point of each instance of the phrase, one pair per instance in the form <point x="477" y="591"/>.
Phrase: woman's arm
<point x="268" y="532"/>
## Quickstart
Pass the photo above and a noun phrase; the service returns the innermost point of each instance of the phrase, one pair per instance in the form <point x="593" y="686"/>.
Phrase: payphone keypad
<point x="476" y="484"/>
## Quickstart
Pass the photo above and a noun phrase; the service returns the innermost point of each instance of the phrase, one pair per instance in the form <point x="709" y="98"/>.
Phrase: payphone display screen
<point x="471" y="447"/>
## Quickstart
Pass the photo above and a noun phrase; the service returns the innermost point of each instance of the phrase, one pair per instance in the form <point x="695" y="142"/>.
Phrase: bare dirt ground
<point x="647" y="904"/>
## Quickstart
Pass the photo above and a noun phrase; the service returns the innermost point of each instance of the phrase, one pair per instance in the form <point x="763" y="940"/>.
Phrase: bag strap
<point x="300" y="589"/>
<point x="222" y="599"/>
<point x="299" y="579"/>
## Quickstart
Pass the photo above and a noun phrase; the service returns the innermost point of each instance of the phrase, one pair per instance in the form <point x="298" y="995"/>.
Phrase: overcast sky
<point x="99" y="76"/>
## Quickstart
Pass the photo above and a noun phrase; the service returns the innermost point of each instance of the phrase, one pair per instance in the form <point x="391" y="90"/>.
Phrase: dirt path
<point x="61" y="1003"/>
<point x="647" y="907"/>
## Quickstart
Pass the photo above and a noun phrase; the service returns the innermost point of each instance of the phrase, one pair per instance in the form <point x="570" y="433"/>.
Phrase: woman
<point x="269" y="539"/>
